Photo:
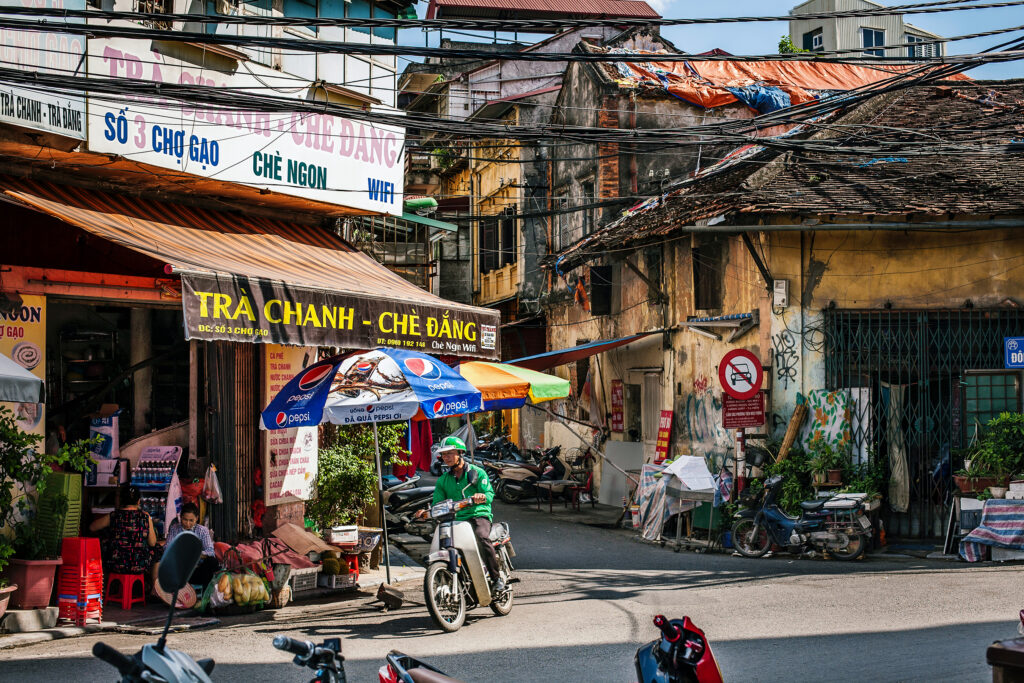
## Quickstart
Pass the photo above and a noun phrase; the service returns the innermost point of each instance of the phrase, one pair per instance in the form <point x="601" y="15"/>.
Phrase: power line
<point x="503" y="25"/>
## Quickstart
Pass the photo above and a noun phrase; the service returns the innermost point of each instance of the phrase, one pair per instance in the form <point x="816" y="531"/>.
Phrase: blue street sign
<point x="1014" y="351"/>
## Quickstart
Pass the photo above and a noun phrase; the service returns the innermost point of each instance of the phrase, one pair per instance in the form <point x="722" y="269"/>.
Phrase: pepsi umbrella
<point x="382" y="385"/>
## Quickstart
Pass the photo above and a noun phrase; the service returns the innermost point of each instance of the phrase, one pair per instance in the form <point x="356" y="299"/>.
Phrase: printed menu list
<point x="290" y="455"/>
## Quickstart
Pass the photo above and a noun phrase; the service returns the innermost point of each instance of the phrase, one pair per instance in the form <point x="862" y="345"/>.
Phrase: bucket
<point x="634" y="512"/>
<point x="727" y="539"/>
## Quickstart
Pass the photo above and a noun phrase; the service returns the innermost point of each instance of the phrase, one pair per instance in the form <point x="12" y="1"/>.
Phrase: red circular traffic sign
<point x="740" y="374"/>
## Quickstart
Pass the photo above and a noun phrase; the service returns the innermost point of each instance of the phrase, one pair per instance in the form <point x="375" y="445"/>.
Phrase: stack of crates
<point x="80" y="584"/>
<point x="60" y="509"/>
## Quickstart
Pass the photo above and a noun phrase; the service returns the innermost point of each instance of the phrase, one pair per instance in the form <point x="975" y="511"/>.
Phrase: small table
<point x="680" y="541"/>
<point x="550" y="485"/>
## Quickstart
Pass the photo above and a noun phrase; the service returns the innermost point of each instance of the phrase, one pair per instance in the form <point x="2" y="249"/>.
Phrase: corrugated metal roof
<point x="192" y="239"/>
<point x="631" y="9"/>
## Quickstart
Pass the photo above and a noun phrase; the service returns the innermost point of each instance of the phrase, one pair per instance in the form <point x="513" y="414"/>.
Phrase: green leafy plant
<point x="786" y="46"/>
<point x="865" y="477"/>
<point x="23" y="474"/>
<point x="1001" y="449"/>
<point x="796" y="479"/>
<point x="346" y="477"/>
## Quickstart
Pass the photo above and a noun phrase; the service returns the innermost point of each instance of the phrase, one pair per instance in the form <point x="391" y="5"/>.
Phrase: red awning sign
<point x="741" y="374"/>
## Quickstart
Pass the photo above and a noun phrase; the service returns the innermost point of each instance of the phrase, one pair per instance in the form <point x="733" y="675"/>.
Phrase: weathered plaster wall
<point x="689" y="362"/>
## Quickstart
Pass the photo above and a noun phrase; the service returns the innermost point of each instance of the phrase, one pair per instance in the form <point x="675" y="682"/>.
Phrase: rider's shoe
<point x="499" y="586"/>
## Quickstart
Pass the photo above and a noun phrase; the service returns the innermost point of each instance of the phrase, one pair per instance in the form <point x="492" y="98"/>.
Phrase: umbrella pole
<point x="380" y="503"/>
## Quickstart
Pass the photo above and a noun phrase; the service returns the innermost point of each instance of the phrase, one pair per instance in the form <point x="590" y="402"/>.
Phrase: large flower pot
<point x="35" y="582"/>
<point x="5" y="596"/>
<point x="977" y="484"/>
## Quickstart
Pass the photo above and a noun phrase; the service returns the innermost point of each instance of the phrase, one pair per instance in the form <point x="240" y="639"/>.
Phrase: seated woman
<point x="188" y="520"/>
<point x="133" y="548"/>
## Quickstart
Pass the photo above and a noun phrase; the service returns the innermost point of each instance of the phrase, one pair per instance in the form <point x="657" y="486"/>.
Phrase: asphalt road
<point x="585" y="604"/>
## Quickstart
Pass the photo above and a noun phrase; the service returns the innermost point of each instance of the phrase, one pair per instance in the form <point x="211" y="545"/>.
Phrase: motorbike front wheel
<point x="445" y="602"/>
<point x="750" y="538"/>
<point x="507" y="495"/>
<point x="857" y="546"/>
<point x="503" y="606"/>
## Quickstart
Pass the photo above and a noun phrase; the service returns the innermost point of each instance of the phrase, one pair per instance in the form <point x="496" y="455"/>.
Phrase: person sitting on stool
<point x="188" y="520"/>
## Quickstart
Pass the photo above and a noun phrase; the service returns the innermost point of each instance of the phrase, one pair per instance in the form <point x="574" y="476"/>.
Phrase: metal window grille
<point x="930" y="353"/>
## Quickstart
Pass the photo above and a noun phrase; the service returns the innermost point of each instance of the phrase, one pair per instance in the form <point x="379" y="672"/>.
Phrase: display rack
<point x="153" y="475"/>
<point x="87" y="362"/>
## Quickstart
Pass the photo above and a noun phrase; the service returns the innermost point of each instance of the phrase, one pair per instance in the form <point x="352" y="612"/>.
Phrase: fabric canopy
<point x="18" y="384"/>
<point x="552" y="359"/>
<point x="193" y="239"/>
<point x="508" y="386"/>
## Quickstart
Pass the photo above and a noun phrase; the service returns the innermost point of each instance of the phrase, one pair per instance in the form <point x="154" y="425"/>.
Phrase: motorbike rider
<point x="451" y="485"/>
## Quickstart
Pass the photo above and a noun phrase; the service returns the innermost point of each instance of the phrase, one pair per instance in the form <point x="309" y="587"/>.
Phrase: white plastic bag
<point x="211" y="487"/>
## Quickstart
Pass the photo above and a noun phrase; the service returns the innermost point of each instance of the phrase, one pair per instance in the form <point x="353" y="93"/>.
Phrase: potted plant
<point x="818" y="467"/>
<point x="23" y="474"/>
<point x="976" y="479"/>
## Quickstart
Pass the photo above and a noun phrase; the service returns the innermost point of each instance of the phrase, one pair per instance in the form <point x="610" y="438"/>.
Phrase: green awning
<point x="440" y="225"/>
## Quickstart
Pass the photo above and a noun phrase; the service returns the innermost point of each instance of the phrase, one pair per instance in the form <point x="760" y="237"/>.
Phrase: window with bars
<point x="509" y="242"/>
<point x="986" y="394"/>
<point x="920" y="51"/>
<point x="588" y="196"/>
<point x="560" y="222"/>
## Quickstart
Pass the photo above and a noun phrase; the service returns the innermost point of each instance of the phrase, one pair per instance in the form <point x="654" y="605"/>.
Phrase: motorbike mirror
<point x="472" y="477"/>
<point x="179" y="561"/>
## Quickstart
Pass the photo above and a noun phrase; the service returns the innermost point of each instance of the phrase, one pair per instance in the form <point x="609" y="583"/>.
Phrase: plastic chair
<point x="127" y="593"/>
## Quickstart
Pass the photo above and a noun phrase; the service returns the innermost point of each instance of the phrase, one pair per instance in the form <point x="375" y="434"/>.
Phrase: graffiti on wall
<point x="784" y="348"/>
<point x="699" y="426"/>
<point x="701" y="385"/>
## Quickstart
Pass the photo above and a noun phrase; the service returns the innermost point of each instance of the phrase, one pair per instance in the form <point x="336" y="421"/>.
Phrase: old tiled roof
<point x="970" y="166"/>
<point x="525" y="9"/>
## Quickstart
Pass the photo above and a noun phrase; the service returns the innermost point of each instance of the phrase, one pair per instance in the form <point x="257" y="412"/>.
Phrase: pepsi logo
<point x="315" y="376"/>
<point x="421" y="367"/>
<point x="281" y="419"/>
<point x="438" y="406"/>
<point x="363" y="366"/>
<point x="369" y="408"/>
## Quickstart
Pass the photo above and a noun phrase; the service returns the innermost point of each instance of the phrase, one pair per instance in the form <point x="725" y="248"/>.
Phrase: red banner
<point x="664" y="434"/>
<point x="618" y="422"/>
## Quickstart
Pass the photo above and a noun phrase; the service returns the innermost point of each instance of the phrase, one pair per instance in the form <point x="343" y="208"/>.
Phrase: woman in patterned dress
<point x="132" y="537"/>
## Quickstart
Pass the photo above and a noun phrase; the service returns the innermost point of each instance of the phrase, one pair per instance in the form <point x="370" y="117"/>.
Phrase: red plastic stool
<point x="127" y="594"/>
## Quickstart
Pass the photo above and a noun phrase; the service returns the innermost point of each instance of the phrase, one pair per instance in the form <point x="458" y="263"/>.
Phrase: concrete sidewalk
<point x="149" y="619"/>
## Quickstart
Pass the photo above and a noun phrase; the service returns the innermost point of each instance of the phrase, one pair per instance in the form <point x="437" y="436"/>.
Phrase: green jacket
<point x="449" y="487"/>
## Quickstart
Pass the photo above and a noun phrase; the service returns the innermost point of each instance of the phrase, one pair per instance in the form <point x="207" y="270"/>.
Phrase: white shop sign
<point x="316" y="156"/>
<point x="35" y="52"/>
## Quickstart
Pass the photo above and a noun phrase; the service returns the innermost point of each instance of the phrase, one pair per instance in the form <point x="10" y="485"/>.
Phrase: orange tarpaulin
<point x="706" y="83"/>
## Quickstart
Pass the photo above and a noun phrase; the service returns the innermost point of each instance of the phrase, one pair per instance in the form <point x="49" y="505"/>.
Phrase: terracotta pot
<point x="835" y="476"/>
<point x="978" y="484"/>
<point x="35" y="581"/>
<point x="5" y="596"/>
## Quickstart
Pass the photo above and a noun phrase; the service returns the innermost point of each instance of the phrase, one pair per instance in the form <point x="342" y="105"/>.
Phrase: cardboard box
<point x="343" y="535"/>
<point x="104" y="424"/>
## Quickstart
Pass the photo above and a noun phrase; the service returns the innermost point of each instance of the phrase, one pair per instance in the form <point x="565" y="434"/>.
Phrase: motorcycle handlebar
<point x="299" y="648"/>
<point x="122" y="662"/>
<point x="670" y="631"/>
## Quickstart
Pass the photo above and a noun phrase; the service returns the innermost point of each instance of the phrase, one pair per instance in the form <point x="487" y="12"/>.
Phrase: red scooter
<point x="681" y="655"/>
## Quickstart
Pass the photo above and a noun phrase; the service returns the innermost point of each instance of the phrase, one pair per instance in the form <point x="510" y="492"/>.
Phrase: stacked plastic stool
<point x="80" y="584"/>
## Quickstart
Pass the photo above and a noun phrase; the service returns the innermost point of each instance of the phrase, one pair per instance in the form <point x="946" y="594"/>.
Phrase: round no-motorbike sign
<point x="740" y="374"/>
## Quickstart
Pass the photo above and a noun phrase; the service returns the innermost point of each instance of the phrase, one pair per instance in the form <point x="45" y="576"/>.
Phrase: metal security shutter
<point x="928" y="354"/>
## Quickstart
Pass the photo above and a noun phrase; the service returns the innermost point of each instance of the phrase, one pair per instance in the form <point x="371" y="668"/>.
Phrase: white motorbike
<point x="456" y="579"/>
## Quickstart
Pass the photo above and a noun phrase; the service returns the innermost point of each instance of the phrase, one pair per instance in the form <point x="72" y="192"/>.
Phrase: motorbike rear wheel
<point x="447" y="607"/>
<point x="857" y="546"/>
<point x="504" y="606"/>
<point x="750" y="538"/>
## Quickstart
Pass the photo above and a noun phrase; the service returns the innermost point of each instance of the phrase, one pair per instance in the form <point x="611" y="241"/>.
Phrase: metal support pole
<point x="380" y="503"/>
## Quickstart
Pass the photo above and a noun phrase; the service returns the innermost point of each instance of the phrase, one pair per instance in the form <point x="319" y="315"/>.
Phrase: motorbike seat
<point x="398" y="498"/>
<point x="499" y="532"/>
<point x="812" y="505"/>
<point x="422" y="675"/>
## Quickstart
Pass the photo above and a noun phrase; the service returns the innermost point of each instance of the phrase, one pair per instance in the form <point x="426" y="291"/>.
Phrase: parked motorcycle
<point x="838" y="526"/>
<point x="456" y="580"/>
<point x="519" y="480"/>
<point x="402" y="502"/>
<point x="158" y="663"/>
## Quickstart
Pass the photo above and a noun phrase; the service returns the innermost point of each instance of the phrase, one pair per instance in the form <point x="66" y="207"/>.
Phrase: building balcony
<point x="499" y="284"/>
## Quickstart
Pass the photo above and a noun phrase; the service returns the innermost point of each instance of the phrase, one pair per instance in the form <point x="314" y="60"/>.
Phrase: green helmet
<point x="451" y="443"/>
